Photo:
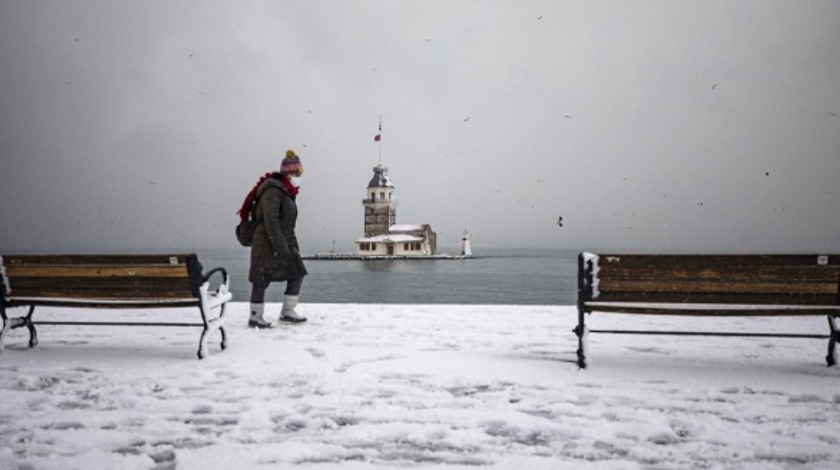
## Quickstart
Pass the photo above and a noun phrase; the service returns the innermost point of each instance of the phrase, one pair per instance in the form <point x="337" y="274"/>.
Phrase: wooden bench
<point x="111" y="282"/>
<point x="709" y="285"/>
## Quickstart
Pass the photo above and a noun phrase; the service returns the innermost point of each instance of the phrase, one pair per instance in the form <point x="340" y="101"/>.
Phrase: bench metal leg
<point x="222" y="329"/>
<point x="580" y="331"/>
<point x="831" y="358"/>
<point x="210" y="326"/>
<point x="33" y="335"/>
<point x="7" y="325"/>
<point x="17" y="322"/>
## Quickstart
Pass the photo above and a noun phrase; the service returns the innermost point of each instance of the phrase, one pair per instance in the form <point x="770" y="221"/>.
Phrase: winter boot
<point x="288" y="313"/>
<point x="257" y="320"/>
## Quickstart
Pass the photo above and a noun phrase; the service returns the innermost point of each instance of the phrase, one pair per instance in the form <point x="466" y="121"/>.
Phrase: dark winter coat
<point x="275" y="254"/>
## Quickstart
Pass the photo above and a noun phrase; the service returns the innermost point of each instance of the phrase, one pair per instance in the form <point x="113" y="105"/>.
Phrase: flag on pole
<point x="378" y="137"/>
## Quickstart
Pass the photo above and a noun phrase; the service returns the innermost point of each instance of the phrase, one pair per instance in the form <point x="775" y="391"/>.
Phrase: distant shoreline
<point x="351" y="257"/>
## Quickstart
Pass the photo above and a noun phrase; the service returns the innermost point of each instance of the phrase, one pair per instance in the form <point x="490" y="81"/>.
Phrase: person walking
<point x="275" y="255"/>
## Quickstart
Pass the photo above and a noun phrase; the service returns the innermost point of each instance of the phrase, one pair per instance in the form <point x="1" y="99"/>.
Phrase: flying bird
<point x="540" y="17"/>
<point x="700" y="204"/>
<point x="560" y="221"/>
<point x="467" y="118"/>
<point x="833" y="114"/>
<point x="714" y="86"/>
<point x="766" y="173"/>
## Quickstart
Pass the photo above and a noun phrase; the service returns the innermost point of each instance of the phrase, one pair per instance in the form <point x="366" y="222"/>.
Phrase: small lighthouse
<point x="466" y="250"/>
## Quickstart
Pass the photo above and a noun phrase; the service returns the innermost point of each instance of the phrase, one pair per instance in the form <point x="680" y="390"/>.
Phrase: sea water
<point x="493" y="277"/>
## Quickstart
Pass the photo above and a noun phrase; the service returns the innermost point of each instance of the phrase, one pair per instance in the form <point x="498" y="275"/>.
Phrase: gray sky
<point x="657" y="125"/>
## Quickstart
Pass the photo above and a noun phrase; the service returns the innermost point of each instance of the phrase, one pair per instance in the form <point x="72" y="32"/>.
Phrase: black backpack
<point x="245" y="230"/>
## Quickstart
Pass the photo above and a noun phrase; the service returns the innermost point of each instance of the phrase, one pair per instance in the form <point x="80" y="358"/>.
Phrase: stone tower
<point x="380" y="205"/>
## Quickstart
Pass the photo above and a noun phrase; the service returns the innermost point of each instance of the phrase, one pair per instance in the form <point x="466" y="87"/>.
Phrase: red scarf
<point x="290" y="188"/>
<point x="245" y="211"/>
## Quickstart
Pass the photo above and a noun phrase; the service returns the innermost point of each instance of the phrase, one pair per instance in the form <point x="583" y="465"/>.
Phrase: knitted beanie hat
<point x="291" y="164"/>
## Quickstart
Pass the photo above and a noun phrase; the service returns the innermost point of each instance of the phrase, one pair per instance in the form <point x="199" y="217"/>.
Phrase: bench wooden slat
<point x="73" y="260"/>
<point x="95" y="271"/>
<point x="101" y="293"/>
<point x="724" y="273"/>
<point x="713" y="261"/>
<point x="712" y="286"/>
<point x="711" y="310"/>
<point x="713" y="298"/>
<point x="106" y="304"/>
<point x="110" y="283"/>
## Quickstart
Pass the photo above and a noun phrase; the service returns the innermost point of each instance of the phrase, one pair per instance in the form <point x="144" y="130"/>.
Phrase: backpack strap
<point x="256" y="202"/>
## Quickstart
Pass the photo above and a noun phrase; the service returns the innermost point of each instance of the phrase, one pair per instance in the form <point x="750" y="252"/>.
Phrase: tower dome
<point x="380" y="178"/>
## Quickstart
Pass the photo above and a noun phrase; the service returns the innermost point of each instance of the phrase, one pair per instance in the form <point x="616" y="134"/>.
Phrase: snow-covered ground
<point x="381" y="386"/>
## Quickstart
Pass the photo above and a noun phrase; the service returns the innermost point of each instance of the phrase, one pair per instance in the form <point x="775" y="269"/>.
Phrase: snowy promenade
<point x="417" y="386"/>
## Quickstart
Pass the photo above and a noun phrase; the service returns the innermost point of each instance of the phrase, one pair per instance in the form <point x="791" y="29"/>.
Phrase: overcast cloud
<point x="657" y="125"/>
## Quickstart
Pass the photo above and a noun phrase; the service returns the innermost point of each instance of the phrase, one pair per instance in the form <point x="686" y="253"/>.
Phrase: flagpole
<point x="380" y="139"/>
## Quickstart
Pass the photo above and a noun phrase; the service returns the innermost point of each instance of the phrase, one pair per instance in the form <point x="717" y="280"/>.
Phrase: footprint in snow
<point x="72" y="405"/>
<point x="65" y="426"/>
<point x="685" y="430"/>
<point x="647" y="350"/>
<point x="807" y="398"/>
<point x="664" y="439"/>
<point x="202" y="410"/>
<point x="588" y="385"/>
<point x="316" y="353"/>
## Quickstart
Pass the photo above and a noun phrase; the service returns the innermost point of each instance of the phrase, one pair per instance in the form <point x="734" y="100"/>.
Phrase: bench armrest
<point x="221" y="295"/>
<point x="225" y="278"/>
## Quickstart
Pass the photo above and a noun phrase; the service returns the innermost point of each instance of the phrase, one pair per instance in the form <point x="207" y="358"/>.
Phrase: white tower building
<point x="466" y="250"/>
<point x="383" y="236"/>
